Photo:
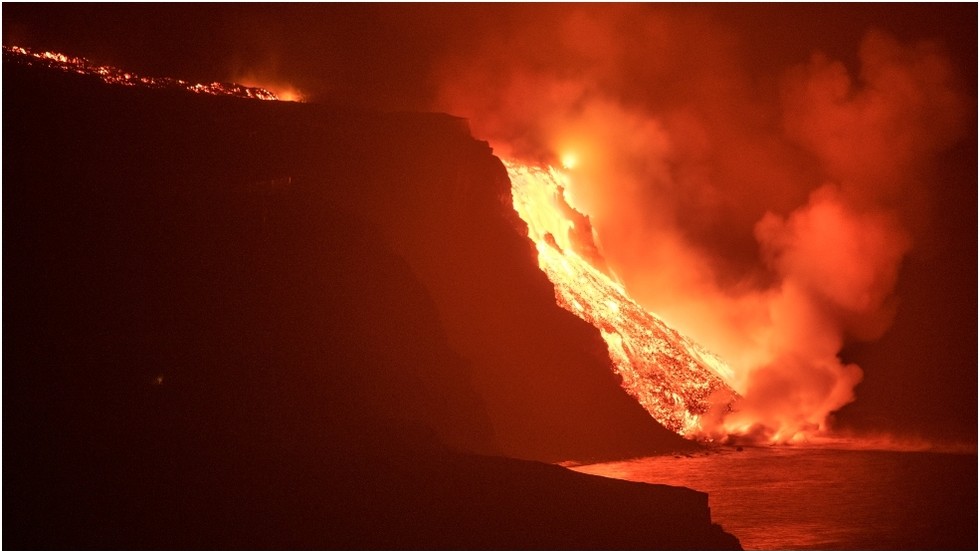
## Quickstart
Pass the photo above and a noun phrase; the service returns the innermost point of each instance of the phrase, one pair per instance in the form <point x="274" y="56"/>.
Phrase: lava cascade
<point x="112" y="75"/>
<point x="681" y="384"/>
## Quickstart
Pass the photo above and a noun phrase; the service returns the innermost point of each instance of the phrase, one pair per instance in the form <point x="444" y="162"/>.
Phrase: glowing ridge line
<point x="112" y="75"/>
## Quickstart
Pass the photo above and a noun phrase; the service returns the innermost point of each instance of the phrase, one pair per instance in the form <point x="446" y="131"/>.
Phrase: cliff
<point x="234" y="323"/>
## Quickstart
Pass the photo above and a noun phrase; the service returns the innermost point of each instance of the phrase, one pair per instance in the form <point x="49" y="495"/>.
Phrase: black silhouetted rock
<point x="244" y="324"/>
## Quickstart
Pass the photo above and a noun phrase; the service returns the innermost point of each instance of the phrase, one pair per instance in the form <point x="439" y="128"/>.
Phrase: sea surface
<point x="805" y="498"/>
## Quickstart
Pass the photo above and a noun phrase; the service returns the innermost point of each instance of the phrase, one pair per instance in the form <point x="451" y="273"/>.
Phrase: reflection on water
<point x="785" y="498"/>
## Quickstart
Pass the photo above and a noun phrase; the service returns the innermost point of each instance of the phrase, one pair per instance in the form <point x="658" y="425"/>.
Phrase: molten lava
<point x="678" y="382"/>
<point x="113" y="75"/>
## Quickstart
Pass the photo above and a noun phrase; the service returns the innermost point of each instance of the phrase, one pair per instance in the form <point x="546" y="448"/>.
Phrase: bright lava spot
<point x="289" y="94"/>
<point x="569" y="160"/>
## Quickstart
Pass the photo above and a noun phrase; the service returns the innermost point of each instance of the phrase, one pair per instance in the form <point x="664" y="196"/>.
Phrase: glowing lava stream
<point x="112" y="75"/>
<point x="678" y="382"/>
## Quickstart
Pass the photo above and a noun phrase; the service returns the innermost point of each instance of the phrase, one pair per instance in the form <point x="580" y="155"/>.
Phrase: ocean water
<point x="804" y="498"/>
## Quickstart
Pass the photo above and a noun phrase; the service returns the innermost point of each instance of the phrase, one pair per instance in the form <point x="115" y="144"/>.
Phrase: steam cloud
<point x="765" y="215"/>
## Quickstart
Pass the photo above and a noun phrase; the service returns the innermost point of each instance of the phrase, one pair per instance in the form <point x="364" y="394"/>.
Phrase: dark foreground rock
<point x="239" y="324"/>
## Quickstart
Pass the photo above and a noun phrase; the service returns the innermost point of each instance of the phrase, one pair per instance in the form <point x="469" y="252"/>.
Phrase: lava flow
<point x="112" y="75"/>
<point x="677" y="381"/>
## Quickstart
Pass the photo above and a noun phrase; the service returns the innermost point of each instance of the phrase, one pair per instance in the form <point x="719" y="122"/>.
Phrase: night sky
<point x="717" y="126"/>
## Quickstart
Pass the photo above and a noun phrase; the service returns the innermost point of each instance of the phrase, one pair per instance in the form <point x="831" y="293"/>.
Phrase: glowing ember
<point x="569" y="160"/>
<point x="113" y="75"/>
<point x="676" y="380"/>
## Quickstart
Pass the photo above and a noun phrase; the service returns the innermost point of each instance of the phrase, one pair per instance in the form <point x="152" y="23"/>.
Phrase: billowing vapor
<point x="265" y="71"/>
<point x="766" y="215"/>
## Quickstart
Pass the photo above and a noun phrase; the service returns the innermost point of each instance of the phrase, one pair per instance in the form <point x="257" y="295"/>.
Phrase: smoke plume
<point x="766" y="214"/>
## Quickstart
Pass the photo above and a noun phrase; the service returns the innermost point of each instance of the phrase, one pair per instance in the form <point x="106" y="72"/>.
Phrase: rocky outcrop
<point x="243" y="324"/>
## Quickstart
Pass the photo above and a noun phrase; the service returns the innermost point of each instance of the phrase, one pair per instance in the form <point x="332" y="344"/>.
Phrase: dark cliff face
<point x="233" y="323"/>
<point x="443" y="203"/>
